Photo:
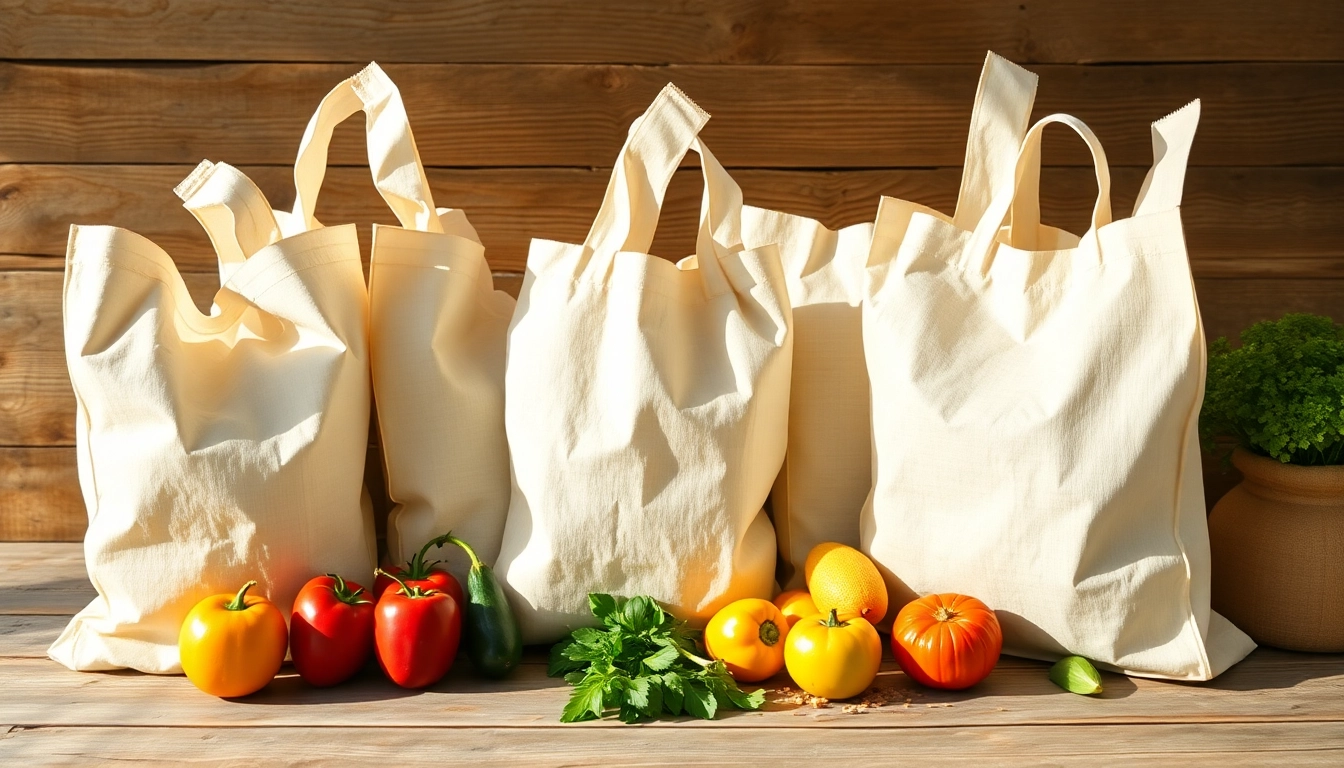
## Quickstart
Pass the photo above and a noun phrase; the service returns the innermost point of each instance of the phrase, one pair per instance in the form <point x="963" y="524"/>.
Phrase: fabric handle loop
<point x="1026" y="181"/>
<point x="654" y="148"/>
<point x="999" y="120"/>
<point x="233" y="212"/>
<point x="394" y="159"/>
<point x="656" y="143"/>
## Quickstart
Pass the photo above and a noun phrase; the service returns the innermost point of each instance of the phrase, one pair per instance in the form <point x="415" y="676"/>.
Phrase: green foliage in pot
<point x="1281" y="394"/>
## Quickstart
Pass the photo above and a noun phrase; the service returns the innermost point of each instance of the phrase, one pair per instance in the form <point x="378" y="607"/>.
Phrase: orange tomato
<point x="232" y="645"/>
<point x="946" y="641"/>
<point x="748" y="637"/>
<point x="796" y="604"/>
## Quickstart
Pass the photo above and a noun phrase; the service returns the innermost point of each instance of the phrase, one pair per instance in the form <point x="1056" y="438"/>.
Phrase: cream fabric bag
<point x="437" y="327"/>
<point x="827" y="474"/>
<point x="1035" y="404"/>
<point x="438" y="331"/>
<point x="646" y="401"/>
<point x="217" y="449"/>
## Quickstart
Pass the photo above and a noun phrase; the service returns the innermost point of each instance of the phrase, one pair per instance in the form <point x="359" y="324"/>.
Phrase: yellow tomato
<point x="748" y="637"/>
<point x="796" y="604"/>
<point x="831" y="657"/>
<point x="232" y="645"/>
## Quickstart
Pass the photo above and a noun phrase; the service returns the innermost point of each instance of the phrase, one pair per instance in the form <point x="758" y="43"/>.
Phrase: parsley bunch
<point x="642" y="663"/>
<point x="1281" y="394"/>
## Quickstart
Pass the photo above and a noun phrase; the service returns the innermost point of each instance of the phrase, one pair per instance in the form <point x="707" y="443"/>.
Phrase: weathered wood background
<point x="520" y="107"/>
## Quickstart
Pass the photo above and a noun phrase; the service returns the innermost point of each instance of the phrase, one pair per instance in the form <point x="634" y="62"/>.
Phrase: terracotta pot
<point x="1278" y="554"/>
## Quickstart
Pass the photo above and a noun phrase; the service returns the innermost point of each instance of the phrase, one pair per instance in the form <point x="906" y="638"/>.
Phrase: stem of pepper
<point x="343" y="592"/>
<point x="417" y="568"/>
<point x="237" y="604"/>
<point x="411" y="592"/>
<point x="475" y="561"/>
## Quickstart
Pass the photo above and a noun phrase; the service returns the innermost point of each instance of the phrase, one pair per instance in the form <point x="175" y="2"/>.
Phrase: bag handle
<point x="1025" y="181"/>
<point x="656" y="143"/>
<point x="233" y="212"/>
<point x="1165" y="183"/>
<point x="999" y="120"/>
<point x="394" y="159"/>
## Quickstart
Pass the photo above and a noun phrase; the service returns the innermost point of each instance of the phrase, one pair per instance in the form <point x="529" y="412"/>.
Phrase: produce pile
<point x="233" y="645"/>
<point x="639" y="664"/>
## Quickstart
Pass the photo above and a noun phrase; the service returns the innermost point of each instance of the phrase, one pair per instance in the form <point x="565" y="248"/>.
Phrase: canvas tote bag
<point x="437" y="328"/>
<point x="438" y="331"/>
<point x="214" y="449"/>
<point x="645" y="401"/>
<point x="827" y="472"/>
<point x="1035" y="404"/>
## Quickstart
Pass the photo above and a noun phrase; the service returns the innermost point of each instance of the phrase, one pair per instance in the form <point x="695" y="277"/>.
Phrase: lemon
<point x="843" y="578"/>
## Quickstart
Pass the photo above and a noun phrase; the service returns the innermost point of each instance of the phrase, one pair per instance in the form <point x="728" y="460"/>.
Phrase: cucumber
<point x="494" y="642"/>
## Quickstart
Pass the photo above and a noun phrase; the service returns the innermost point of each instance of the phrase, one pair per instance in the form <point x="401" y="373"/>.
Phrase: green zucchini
<point x="494" y="642"/>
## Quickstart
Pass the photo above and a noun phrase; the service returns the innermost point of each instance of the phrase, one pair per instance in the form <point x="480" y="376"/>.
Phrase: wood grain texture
<point x="40" y="498"/>
<point x="697" y="31"/>
<point x="1274" y="707"/>
<point x="1285" y="690"/>
<point x="1281" y="222"/>
<point x="577" y="115"/>
<point x="43" y="579"/>
<point x="1225" y="746"/>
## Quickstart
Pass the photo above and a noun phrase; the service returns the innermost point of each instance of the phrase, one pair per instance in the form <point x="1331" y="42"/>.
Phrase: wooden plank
<point x="577" y="115"/>
<point x="1235" y="218"/>
<point x="43" y="578"/>
<point x="699" y="31"/>
<point x="1285" y="689"/>
<point x="39" y="495"/>
<point x="28" y="636"/>
<point x="731" y="745"/>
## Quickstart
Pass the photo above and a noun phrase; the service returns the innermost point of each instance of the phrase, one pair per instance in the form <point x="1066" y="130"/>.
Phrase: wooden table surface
<point x="1275" y="708"/>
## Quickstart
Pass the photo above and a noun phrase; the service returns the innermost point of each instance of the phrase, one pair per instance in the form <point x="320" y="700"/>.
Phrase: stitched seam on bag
<point x="1198" y="640"/>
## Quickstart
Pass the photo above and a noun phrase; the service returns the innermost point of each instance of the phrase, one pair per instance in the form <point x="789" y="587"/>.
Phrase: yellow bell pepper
<point x="748" y="637"/>
<point x="232" y="645"/>
<point x="833" y="658"/>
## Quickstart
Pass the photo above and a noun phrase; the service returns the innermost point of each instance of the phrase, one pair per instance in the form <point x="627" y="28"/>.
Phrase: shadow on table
<point x="1268" y="668"/>
<point x="372" y="685"/>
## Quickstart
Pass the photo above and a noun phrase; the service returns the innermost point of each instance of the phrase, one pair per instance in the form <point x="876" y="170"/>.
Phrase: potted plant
<point x="1277" y="539"/>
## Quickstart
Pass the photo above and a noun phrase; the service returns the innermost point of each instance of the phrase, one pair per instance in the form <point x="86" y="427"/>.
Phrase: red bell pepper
<point x="416" y="633"/>
<point x="330" y="630"/>
<point x="421" y="573"/>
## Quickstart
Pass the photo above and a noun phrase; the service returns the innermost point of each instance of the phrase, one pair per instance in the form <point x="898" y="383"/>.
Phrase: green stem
<point x="833" y="620"/>
<point x="692" y="657"/>
<point x="237" y="604"/>
<point x="769" y="633"/>
<point x="476" y="564"/>
<point x="411" y="592"/>
<point x="343" y="592"/>
<point x="417" y="568"/>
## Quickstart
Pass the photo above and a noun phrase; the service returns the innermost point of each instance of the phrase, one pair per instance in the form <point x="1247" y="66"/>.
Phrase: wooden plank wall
<point x="520" y="107"/>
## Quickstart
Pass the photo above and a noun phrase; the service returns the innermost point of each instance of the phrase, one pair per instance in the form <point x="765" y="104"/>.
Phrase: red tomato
<point x="330" y="630"/>
<point x="421" y="573"/>
<point x="415" y="634"/>
<point x="946" y="641"/>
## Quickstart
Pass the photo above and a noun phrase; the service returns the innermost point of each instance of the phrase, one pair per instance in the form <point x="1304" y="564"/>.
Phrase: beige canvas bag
<point x="438" y="332"/>
<point x="221" y="448"/>
<point x="1035" y="404"/>
<point x="646" y="401"/>
<point x="827" y="474"/>
<point x="437" y="328"/>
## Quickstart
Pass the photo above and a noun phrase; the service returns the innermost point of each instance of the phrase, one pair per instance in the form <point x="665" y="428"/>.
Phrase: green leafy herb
<point x="1076" y="675"/>
<point x="1281" y="393"/>
<point x="641" y="664"/>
